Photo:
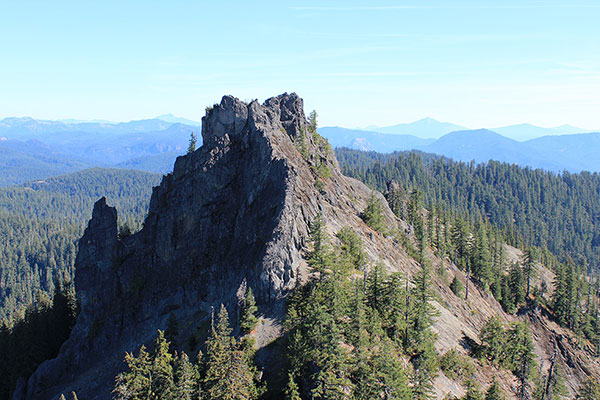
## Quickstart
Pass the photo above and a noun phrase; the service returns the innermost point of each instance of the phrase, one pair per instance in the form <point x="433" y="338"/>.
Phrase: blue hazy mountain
<point x="25" y="161"/>
<point x="173" y="119"/>
<point x="483" y="145"/>
<point x="161" y="163"/>
<point x="28" y="128"/>
<point x="524" y="132"/>
<point x="424" y="128"/>
<point x="573" y="152"/>
<point x="576" y="152"/>
<point x="103" y="144"/>
<point x="371" y="141"/>
<point x="42" y="148"/>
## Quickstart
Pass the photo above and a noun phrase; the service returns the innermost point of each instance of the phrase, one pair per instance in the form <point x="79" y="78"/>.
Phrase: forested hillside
<point x="40" y="223"/>
<point x="560" y="212"/>
<point x="414" y="298"/>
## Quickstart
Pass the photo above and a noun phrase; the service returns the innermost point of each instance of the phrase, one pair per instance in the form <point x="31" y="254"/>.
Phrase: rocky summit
<point x="233" y="214"/>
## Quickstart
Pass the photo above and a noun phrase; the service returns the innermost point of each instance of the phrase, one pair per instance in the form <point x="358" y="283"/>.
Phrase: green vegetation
<point x="373" y="214"/>
<point x="510" y="348"/>
<point x="347" y="339"/>
<point x="457" y="287"/>
<point x="470" y="210"/>
<point x="248" y="318"/>
<point x="457" y="366"/>
<point x="192" y="143"/>
<point x="36" y="337"/>
<point x="40" y="224"/>
<point x="530" y="206"/>
<point x="590" y="390"/>
<point x="225" y="372"/>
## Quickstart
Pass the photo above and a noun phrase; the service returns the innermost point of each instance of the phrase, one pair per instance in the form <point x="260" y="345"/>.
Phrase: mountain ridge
<point x="247" y="196"/>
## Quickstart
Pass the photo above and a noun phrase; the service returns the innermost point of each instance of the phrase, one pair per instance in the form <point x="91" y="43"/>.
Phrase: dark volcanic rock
<point x="233" y="213"/>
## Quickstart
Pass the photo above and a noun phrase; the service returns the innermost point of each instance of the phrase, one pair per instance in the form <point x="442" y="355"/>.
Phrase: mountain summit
<point x="425" y="128"/>
<point x="233" y="214"/>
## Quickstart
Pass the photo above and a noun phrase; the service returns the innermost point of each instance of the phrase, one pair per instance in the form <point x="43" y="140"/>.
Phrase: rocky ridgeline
<point x="234" y="213"/>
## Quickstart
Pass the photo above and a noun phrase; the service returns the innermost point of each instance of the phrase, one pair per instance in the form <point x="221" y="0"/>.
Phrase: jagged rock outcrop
<point x="235" y="212"/>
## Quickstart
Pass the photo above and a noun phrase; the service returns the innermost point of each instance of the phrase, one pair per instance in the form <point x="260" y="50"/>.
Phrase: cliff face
<point x="233" y="213"/>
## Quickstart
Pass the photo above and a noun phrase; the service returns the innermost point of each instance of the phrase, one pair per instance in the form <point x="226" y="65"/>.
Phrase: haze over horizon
<point x="357" y="63"/>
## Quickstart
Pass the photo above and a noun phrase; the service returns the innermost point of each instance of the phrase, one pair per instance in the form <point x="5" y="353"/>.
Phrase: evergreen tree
<point x="493" y="340"/>
<point x="457" y="287"/>
<point x="319" y="258"/>
<point x="218" y="353"/>
<point x="332" y="380"/>
<point x="312" y="120"/>
<point x="473" y="391"/>
<point x="229" y="374"/>
<point x="517" y="284"/>
<point x="192" y="143"/>
<point x="161" y="370"/>
<point x="521" y="358"/>
<point x="186" y="378"/>
<point x="423" y="311"/>
<point x="494" y="392"/>
<point x="350" y="253"/>
<point x="528" y="262"/>
<point x="291" y="390"/>
<point x="135" y="383"/>
<point x="248" y="318"/>
<point x="373" y="214"/>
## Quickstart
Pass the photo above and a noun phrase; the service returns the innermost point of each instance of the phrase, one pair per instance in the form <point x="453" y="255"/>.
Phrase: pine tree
<point x="186" y="378"/>
<point x="414" y="214"/>
<point x="332" y="380"/>
<point x="493" y="340"/>
<point x="494" y="392"/>
<point x="423" y="311"/>
<point x="218" y="352"/>
<point x="319" y="257"/>
<point x="192" y="143"/>
<point x="373" y="214"/>
<point x="351" y="254"/>
<point x="312" y="120"/>
<point x="248" y="318"/>
<point x="473" y="391"/>
<point x="291" y="390"/>
<point x="162" y="369"/>
<point x="229" y="373"/>
<point x="457" y="287"/>
<point x="528" y="262"/>
<point x="389" y="371"/>
<point x="521" y="358"/>
<point x="135" y="383"/>
<point x="517" y="284"/>
<point x="480" y="259"/>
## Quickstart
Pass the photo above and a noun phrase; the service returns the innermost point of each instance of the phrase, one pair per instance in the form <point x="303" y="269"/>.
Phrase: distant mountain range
<point x="173" y="119"/>
<point x="36" y="149"/>
<point x="429" y="128"/>
<point x="426" y="128"/>
<point x="33" y="149"/>
<point x="571" y="152"/>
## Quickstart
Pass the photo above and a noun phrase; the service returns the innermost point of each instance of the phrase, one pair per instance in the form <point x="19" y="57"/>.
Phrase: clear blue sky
<point x="475" y="63"/>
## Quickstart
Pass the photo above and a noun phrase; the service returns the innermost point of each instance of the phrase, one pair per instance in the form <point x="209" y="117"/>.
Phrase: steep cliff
<point x="233" y="213"/>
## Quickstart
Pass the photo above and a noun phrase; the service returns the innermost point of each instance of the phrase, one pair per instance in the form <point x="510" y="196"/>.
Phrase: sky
<point x="358" y="63"/>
